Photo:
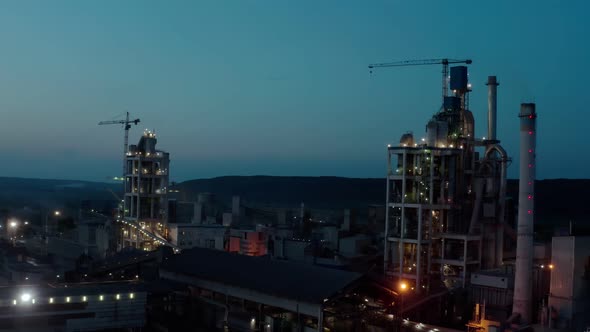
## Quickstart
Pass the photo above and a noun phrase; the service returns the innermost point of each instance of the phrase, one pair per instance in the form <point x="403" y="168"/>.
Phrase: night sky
<point x="278" y="87"/>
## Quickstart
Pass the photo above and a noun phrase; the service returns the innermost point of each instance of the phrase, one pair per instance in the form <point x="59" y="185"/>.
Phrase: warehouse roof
<point x="295" y="281"/>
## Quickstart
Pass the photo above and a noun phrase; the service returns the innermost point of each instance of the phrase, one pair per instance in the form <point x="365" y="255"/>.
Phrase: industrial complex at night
<point x="448" y="249"/>
<point x="461" y="230"/>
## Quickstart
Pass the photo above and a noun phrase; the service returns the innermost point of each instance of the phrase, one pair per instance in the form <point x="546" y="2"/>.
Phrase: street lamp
<point x="56" y="213"/>
<point x="13" y="224"/>
<point x="403" y="287"/>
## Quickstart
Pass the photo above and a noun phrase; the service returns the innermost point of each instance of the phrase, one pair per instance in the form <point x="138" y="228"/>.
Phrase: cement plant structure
<point x="446" y="196"/>
<point x="145" y="201"/>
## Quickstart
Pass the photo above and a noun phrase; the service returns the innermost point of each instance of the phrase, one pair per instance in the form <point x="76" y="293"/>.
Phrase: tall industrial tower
<point x="445" y="199"/>
<point x="523" y="281"/>
<point x="146" y="183"/>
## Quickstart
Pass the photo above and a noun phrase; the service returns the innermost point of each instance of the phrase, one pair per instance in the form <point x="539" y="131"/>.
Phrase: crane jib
<point x="419" y="63"/>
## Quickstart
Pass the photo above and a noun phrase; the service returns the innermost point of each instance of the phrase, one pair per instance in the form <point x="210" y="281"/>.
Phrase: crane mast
<point x="127" y="125"/>
<point x="445" y="68"/>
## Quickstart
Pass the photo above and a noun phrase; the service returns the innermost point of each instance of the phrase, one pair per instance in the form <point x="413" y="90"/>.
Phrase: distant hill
<point x="20" y="192"/>
<point x="558" y="200"/>
<point x="324" y="192"/>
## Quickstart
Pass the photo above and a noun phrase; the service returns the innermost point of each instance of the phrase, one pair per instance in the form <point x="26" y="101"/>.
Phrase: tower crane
<point x="445" y="70"/>
<point x="127" y="125"/>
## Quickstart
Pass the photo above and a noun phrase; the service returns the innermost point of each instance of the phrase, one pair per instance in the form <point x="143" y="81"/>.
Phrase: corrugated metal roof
<point x="295" y="281"/>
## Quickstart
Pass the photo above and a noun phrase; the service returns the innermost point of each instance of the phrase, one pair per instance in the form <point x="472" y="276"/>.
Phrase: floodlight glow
<point x="25" y="297"/>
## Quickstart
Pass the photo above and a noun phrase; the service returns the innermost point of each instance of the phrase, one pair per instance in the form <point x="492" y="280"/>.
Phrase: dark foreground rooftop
<point x="295" y="281"/>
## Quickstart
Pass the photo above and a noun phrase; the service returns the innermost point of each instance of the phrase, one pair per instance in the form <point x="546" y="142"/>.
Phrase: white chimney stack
<point x="523" y="282"/>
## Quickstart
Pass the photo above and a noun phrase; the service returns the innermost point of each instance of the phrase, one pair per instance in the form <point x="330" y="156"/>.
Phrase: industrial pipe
<point x="501" y="197"/>
<point x="478" y="189"/>
<point x="523" y="282"/>
<point x="492" y="106"/>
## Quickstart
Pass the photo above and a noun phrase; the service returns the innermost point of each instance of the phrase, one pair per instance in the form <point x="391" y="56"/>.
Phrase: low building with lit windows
<point x="73" y="307"/>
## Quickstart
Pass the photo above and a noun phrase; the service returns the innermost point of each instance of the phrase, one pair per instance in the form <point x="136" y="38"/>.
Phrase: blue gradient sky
<point x="278" y="87"/>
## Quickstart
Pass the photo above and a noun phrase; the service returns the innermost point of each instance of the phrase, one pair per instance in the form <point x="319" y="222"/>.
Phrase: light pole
<point x="55" y="213"/>
<point x="13" y="224"/>
<point x="403" y="287"/>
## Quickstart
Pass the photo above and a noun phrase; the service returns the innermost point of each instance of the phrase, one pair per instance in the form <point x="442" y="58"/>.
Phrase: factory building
<point x="569" y="292"/>
<point x="560" y="286"/>
<point x="198" y="224"/>
<point x="187" y="236"/>
<point x="249" y="242"/>
<point x="145" y="201"/>
<point x="269" y="295"/>
<point x="495" y="289"/>
<point x="445" y="207"/>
